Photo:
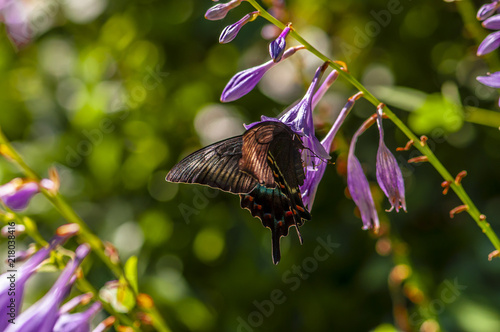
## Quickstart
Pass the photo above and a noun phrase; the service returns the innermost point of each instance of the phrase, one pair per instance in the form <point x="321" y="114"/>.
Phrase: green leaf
<point x="131" y="272"/>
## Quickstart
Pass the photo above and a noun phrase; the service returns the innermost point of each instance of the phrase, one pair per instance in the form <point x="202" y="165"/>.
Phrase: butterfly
<point x="264" y="167"/>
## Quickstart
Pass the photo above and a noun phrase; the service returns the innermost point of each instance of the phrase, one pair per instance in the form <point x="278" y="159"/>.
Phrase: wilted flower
<point x="17" y="193"/>
<point x="26" y="271"/>
<point x="316" y="172"/>
<point x="219" y="11"/>
<point x="358" y="185"/>
<point x="43" y="315"/>
<point x="487" y="10"/>
<point x="389" y="175"/>
<point x="230" y="32"/>
<point x="244" y="81"/>
<point x="277" y="46"/>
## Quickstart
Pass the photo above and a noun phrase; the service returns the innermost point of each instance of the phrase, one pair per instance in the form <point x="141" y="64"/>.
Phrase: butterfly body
<point x="263" y="166"/>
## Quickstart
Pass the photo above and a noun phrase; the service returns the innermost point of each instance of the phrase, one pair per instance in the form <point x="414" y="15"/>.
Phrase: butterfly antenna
<point x="298" y="233"/>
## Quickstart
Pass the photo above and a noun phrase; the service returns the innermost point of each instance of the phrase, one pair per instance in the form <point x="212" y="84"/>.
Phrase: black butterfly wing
<point x="217" y="166"/>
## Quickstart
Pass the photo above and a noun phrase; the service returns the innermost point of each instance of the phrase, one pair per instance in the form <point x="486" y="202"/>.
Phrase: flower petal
<point x="489" y="44"/>
<point x="492" y="80"/>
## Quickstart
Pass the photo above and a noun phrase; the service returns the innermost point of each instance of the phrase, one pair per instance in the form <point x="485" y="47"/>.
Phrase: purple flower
<point x="79" y="322"/>
<point x="389" y="175"/>
<point x="329" y="80"/>
<point x="359" y="187"/>
<point x="489" y="44"/>
<point x="492" y="80"/>
<point x="219" y="11"/>
<point x="244" y="81"/>
<point x="17" y="193"/>
<point x="43" y="315"/>
<point x="277" y="46"/>
<point x="13" y="14"/>
<point x="487" y="10"/>
<point x="300" y="119"/>
<point x="26" y="271"/>
<point x="315" y="174"/>
<point x="492" y="23"/>
<point x="230" y="32"/>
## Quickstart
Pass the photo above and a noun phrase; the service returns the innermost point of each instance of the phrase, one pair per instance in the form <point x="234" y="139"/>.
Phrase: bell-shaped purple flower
<point x="219" y="11"/>
<point x="244" y="81"/>
<point x="300" y="119"/>
<point x="492" y="23"/>
<point x="359" y="188"/>
<point x="487" y="10"/>
<point x="43" y="315"/>
<point x="14" y="15"/>
<point x="316" y="172"/>
<point x="489" y="44"/>
<point x="492" y="80"/>
<point x="7" y="311"/>
<point x="389" y="175"/>
<point x="231" y="31"/>
<point x="17" y="193"/>
<point x="277" y="46"/>
<point x="79" y="322"/>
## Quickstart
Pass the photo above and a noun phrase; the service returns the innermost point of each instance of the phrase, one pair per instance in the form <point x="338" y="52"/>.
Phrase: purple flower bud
<point x="359" y="187"/>
<point x="489" y="44"/>
<point x="244" y="81"/>
<point x="315" y="174"/>
<point x="277" y="46"/>
<point x="23" y="274"/>
<point x="230" y="32"/>
<point x="389" y="175"/>
<point x="79" y="322"/>
<point x="492" y="80"/>
<point x="219" y="11"/>
<point x="43" y="315"/>
<point x="487" y="10"/>
<point x="17" y="193"/>
<point x="492" y="23"/>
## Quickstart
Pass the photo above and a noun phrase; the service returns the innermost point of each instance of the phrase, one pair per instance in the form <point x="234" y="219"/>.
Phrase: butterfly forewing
<point x="217" y="166"/>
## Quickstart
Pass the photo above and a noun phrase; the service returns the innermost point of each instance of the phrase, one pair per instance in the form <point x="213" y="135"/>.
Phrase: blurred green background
<point x="114" y="93"/>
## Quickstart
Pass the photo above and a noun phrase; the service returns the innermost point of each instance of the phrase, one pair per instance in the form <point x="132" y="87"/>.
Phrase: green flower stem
<point x="85" y="234"/>
<point x="423" y="148"/>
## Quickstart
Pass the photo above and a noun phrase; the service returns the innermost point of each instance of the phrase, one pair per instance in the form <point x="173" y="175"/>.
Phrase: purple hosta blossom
<point x="492" y="80"/>
<point x="489" y="44"/>
<point x="315" y="174"/>
<point x="219" y="11"/>
<point x="487" y="10"/>
<point x="492" y="23"/>
<point x="43" y="315"/>
<point x="329" y="80"/>
<point x="358" y="185"/>
<point x="230" y="32"/>
<point x="78" y="322"/>
<point x="277" y="46"/>
<point x="300" y="119"/>
<point x="14" y="14"/>
<point x="389" y="175"/>
<point x="244" y="81"/>
<point x="17" y="193"/>
<point x="23" y="274"/>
